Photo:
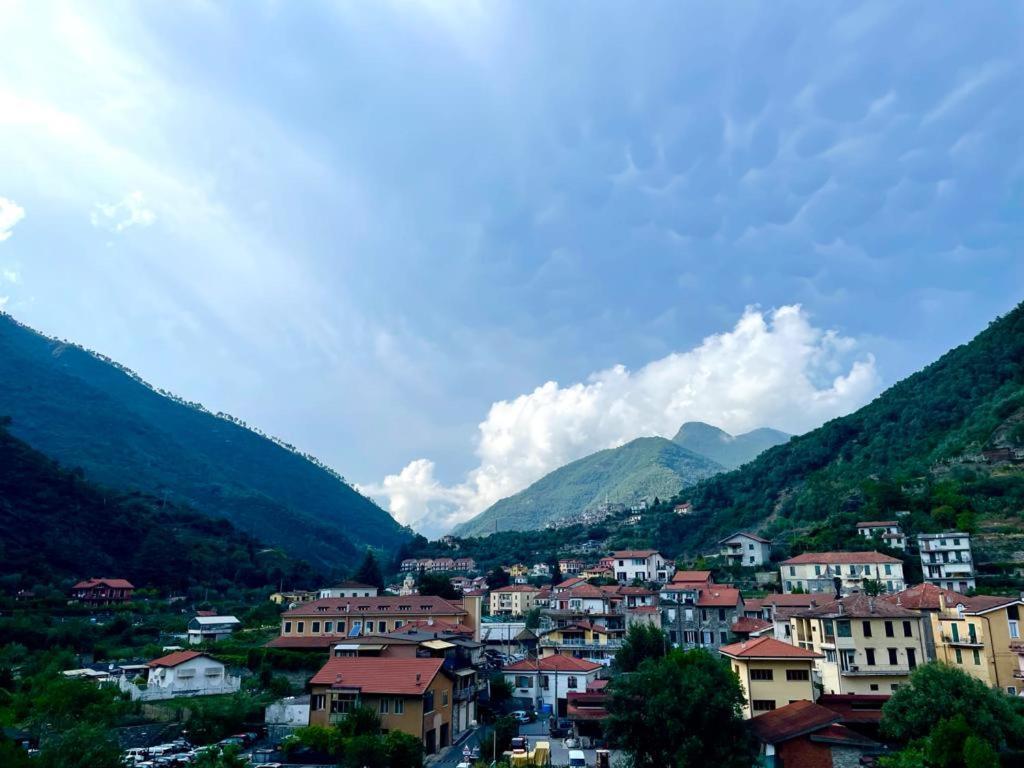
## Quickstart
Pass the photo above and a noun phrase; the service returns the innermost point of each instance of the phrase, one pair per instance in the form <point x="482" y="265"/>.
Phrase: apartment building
<point x="582" y="640"/>
<point x="772" y="673"/>
<point x="550" y="680"/>
<point x="699" y="614"/>
<point x="818" y="571"/>
<point x="868" y="645"/>
<point x="926" y="599"/>
<point x="746" y="549"/>
<point x="640" y="565"/>
<point x="978" y="635"/>
<point x="513" y="600"/>
<point x="348" y="589"/>
<point x="888" y="531"/>
<point x="414" y="696"/>
<point x="778" y="609"/>
<point x="946" y="560"/>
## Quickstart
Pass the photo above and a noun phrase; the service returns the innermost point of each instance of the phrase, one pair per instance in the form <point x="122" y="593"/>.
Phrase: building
<point x="977" y="635"/>
<point x="437" y="564"/>
<point x="182" y="674"/>
<point x="772" y="673"/>
<point x="808" y="735"/>
<point x="550" y="680"/>
<point x="570" y="566"/>
<point x="818" y="571"/>
<point x="348" y="589"/>
<point x="513" y="600"/>
<point x="639" y="565"/>
<point x="284" y="716"/>
<point x="294" y="597"/>
<point x="926" y="599"/>
<point x="597" y="572"/>
<point x="946" y="560"/>
<point x="211" y="629"/>
<point x="746" y="549"/>
<point x="583" y="640"/>
<point x="322" y="623"/>
<point x="540" y="570"/>
<point x="888" y="531"/>
<point x="413" y="696"/>
<point x="868" y="645"/>
<point x="699" y="614"/>
<point x="587" y="711"/>
<point x="103" y="591"/>
<point x="778" y="609"/>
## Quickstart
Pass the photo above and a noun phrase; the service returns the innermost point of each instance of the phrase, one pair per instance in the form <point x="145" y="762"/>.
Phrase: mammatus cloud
<point x="772" y="369"/>
<point x="10" y="214"/>
<point x="117" y="217"/>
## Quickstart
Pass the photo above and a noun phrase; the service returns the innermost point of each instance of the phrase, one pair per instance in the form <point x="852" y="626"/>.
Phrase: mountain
<point x="55" y="525"/>
<point x="641" y="469"/>
<point x="730" y="451"/>
<point x="915" y="447"/>
<point x="87" y="411"/>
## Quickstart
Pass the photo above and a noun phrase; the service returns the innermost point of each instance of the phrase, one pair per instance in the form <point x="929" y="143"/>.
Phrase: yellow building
<point x="513" y="600"/>
<point x="975" y="634"/>
<point x="584" y="640"/>
<point x="772" y="673"/>
<point x="867" y="645"/>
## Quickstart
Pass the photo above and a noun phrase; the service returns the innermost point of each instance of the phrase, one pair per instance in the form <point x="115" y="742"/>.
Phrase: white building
<point x="181" y="674"/>
<point x="746" y="549"/>
<point x="541" y="570"/>
<point x="817" y="571"/>
<point x="285" y="715"/>
<point x="639" y="564"/>
<point x="887" y="530"/>
<point x="946" y="560"/>
<point x="210" y="629"/>
<point x="348" y="589"/>
<point x="549" y="680"/>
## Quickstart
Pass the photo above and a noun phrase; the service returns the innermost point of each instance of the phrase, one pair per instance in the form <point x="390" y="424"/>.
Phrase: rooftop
<point x="112" y="583"/>
<point x="797" y="719"/>
<point x="840" y="558"/>
<point x="375" y="674"/>
<point x="626" y="553"/>
<point x="718" y="597"/>
<point x="878" y="524"/>
<point x="753" y="536"/>
<point x="176" y="658"/>
<point x="691" y="576"/>
<point x="858" y="605"/>
<point x="557" y="663"/>
<point x="921" y="597"/>
<point x="766" y="648"/>
<point x="408" y="605"/>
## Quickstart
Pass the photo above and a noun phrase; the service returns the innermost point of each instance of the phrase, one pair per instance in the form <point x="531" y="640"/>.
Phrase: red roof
<point x="922" y="597"/>
<point x="407" y="605"/>
<point x="321" y="642"/>
<point x="644" y="609"/>
<point x="556" y="663"/>
<point x="719" y="597"/>
<point x="590" y="705"/>
<point x="748" y="535"/>
<point x="857" y="606"/>
<point x="982" y="603"/>
<point x="745" y="625"/>
<point x="766" y="648"/>
<point x="855" y="707"/>
<point x="112" y="583"/>
<point x="517" y="588"/>
<point x="878" y="524"/>
<point x="637" y="591"/>
<point x="696" y="576"/>
<point x="840" y="558"/>
<point x="627" y="553"/>
<point x="570" y="582"/>
<point x="435" y="626"/>
<point x="797" y="719"/>
<point x="174" y="659"/>
<point x="377" y="674"/>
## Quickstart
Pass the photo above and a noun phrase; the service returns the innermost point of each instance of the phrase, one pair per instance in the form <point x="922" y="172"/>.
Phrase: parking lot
<point x="538" y="731"/>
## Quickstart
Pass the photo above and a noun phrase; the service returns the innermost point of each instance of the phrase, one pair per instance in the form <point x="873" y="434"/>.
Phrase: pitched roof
<point x="379" y="674"/>
<point x="557" y="663"/>
<point x="746" y="625"/>
<point x="840" y="558"/>
<point x="982" y="603"/>
<point x="112" y="583"/>
<point x="570" y="582"/>
<point x="174" y="659"/>
<point x="691" y="576"/>
<point x="753" y="536"/>
<point x="779" y="601"/>
<point x="638" y="591"/>
<point x="516" y="588"/>
<point x="387" y="604"/>
<point x="434" y="626"/>
<point x="321" y="642"/>
<point x="203" y="620"/>
<point x="625" y="553"/>
<point x="790" y="721"/>
<point x="766" y="648"/>
<point x="877" y="523"/>
<point x="921" y="597"/>
<point x="719" y="597"/>
<point x="858" y="605"/>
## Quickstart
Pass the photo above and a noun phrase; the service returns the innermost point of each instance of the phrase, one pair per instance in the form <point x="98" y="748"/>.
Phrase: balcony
<point x="863" y="670"/>
<point x="582" y="644"/>
<point x="1017" y="646"/>
<point x="1018" y="674"/>
<point x="969" y="642"/>
<point x="465" y="694"/>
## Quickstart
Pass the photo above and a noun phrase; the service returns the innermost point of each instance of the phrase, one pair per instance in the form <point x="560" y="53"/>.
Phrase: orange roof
<point x="517" y="588"/>
<point x="840" y="558"/>
<point x="719" y="597"/>
<point x="556" y="663"/>
<point x="623" y="554"/>
<point x="174" y="659"/>
<point x="921" y="597"/>
<point x="856" y="606"/>
<point x="112" y="583"/>
<point x="691" y="576"/>
<point x="377" y="674"/>
<point x="766" y="648"/>
<point x="790" y="721"/>
<point x="746" y="625"/>
<point x="877" y="523"/>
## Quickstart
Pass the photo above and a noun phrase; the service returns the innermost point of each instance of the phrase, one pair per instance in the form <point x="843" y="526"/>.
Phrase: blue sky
<point x="378" y="230"/>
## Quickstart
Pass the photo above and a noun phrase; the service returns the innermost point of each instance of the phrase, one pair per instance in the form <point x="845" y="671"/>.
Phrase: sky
<point x="449" y="246"/>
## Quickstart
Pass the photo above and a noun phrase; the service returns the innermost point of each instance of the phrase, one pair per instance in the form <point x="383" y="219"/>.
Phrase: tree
<point x="978" y="753"/>
<point x="642" y="642"/>
<point x="228" y="757"/>
<point x="498" y="578"/>
<point x="12" y="755"/>
<point x="946" y="743"/>
<point x="532" y="618"/>
<point x="873" y="587"/>
<point x="369" y="571"/>
<point x="438" y="584"/>
<point x="500" y="690"/>
<point x="403" y="750"/>
<point x="360" y="721"/>
<point x="83" y="746"/>
<point x="683" y="710"/>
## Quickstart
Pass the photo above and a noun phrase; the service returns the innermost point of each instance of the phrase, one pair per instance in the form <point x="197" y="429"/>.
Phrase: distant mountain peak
<point x="728" y="450"/>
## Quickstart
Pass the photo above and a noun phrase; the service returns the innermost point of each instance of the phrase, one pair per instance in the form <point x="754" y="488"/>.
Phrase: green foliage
<point x="532" y="618"/>
<point x="369" y="571"/>
<point x="911" y="757"/>
<point x="500" y="689"/>
<point x="59" y="703"/>
<point x="978" y="753"/>
<point x="213" y="718"/>
<point x="12" y="755"/>
<point x="438" y="584"/>
<point x="227" y="757"/>
<point x="643" y="641"/>
<point x="358" y="743"/>
<point x="81" y="746"/>
<point x="683" y="710"/>
<point x="946" y="743"/>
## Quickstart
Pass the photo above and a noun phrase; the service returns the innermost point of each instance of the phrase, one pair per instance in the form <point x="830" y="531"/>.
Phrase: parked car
<point x="523" y="716"/>
<point x="577" y="759"/>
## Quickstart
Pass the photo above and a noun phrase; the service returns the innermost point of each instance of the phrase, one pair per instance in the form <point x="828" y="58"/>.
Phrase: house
<point x="211" y="629"/>
<point x="465" y="564"/>
<point x="747" y="628"/>
<point x="778" y="609"/>
<point x="699" y="614"/>
<point x="691" y="577"/>
<point x="683" y="509"/>
<point x="540" y="570"/>
<point x="513" y="600"/>
<point x="570" y="566"/>
<point x="639" y="565"/>
<point x="293" y="598"/>
<point x="977" y="634"/>
<point x="182" y="674"/>
<point x="818" y="571"/>
<point x="550" y="679"/>
<point x="348" y="589"/>
<point x="926" y="599"/>
<point x="868" y="645"/>
<point x="946" y="560"/>
<point x="583" y="640"/>
<point x="772" y="673"/>
<point x="588" y="710"/>
<point x="284" y="716"/>
<point x="413" y="696"/>
<point x="887" y="530"/>
<point x="808" y="735"/>
<point x="597" y="572"/>
<point x="746" y="549"/>
<point x="103" y="591"/>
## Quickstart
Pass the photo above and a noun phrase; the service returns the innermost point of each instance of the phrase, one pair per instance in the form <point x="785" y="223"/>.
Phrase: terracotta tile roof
<point x="644" y="609"/>
<point x="623" y="554"/>
<point x="112" y="583"/>
<point x="516" y="588"/>
<point x="719" y="597"/>
<point x="921" y="597"/>
<point x="174" y="659"/>
<point x="746" y="625"/>
<point x="838" y="733"/>
<point x="982" y="603"/>
<point x="585" y="590"/>
<point x="570" y="582"/>
<point x="791" y="721"/>
<point x="378" y="674"/>
<point x="589" y="705"/>
<point x="767" y="648"/>
<point x="860" y="606"/>
<point x="639" y="591"/>
<point x="593" y="686"/>
<point x="557" y="663"/>
<point x="305" y="643"/>
<point x="409" y="605"/>
<point x="856" y="707"/>
<point x="753" y="536"/>
<point x="780" y="601"/>
<point x="696" y="576"/>
<point x="840" y="558"/>
<point x="877" y="523"/>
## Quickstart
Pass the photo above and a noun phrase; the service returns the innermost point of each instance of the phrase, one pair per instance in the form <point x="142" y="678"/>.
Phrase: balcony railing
<point x="973" y="642"/>
<point x="609" y="645"/>
<point x="865" y="670"/>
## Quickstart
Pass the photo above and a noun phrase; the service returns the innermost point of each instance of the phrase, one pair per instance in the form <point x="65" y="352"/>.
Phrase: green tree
<point x="532" y="618"/>
<point x="403" y="750"/>
<point x="12" y="755"/>
<point x="228" y="757"/>
<point x="369" y="571"/>
<point x="500" y="689"/>
<point x="360" y="721"/>
<point x="438" y="584"/>
<point x="978" y="753"/>
<point x="642" y="642"/>
<point x="82" y="746"/>
<point x="946" y="743"/>
<point x="683" y="710"/>
<point x="873" y="587"/>
<point x="363" y="751"/>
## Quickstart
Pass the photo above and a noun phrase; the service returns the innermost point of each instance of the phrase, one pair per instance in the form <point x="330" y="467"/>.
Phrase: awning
<point x="465" y="672"/>
<point x="438" y="645"/>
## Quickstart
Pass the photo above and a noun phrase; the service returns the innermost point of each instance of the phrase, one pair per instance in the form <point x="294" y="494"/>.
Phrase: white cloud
<point x="117" y="217"/>
<point x="10" y="214"/>
<point x="772" y="369"/>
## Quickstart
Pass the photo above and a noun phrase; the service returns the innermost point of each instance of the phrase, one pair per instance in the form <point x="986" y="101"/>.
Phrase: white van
<point x="577" y="759"/>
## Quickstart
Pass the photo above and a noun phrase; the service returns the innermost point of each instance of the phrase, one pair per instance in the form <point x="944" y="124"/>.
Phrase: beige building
<point x="867" y="645"/>
<point x="978" y="635"/>
<point x="818" y="571"/>
<point x="513" y="600"/>
<point x="772" y="673"/>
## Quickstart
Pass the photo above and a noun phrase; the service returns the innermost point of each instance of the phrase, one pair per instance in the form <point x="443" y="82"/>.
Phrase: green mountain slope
<point x="89" y="412"/>
<point x="914" y="447"/>
<point x="730" y="451"/>
<point x="641" y="469"/>
<point x="55" y="525"/>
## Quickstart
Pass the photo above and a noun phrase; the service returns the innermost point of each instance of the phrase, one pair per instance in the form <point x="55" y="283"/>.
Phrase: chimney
<point x="418" y="679"/>
<point x="871" y="604"/>
<point x="841" y="611"/>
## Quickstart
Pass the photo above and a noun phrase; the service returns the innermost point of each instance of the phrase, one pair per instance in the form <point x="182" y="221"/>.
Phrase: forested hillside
<point x="89" y="412"/>
<point x="55" y="525"/>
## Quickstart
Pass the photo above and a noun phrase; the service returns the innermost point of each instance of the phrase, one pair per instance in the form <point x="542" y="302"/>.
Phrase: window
<point x="342" y="703"/>
<point x="572" y="682"/>
<point x="912" y="658"/>
<point x="830" y="656"/>
<point x="908" y="629"/>
<point x="1014" y="629"/>
<point x="750" y="547"/>
<point x="889" y="631"/>
<point x="444" y="698"/>
<point x="688" y="613"/>
<point x="691" y="637"/>
<point x="545" y="682"/>
<point x="382" y="627"/>
<point x="763" y="705"/>
<point x="287" y="627"/>
<point x="959" y="656"/>
<point x="817" y="570"/>
<point x="316" y="627"/>
<point x="341" y="627"/>
<point x="843" y="628"/>
<point x="721" y="614"/>
<point x="706" y="638"/>
<point x="399" y="706"/>
<point x="703" y="614"/>
<point x="874" y="686"/>
<point x="1012" y="690"/>
<point x="300" y="627"/>
<point x="977" y="656"/>
<point x="328" y="626"/>
<point x="761" y="674"/>
<point x="893" y="657"/>
<point x="830" y="630"/>
<point x="888" y="570"/>
<point x="428" y="701"/>
<point x="792" y="570"/>
<point x="318" y="701"/>
<point x="384" y="705"/>
<point x="866" y="626"/>
<point x="870" y="653"/>
<point x="797" y="674"/>
<point x="522" y="681"/>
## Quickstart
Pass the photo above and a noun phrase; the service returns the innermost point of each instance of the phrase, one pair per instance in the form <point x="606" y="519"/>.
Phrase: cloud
<point x="10" y="214"/>
<point x="117" y="217"/>
<point x="772" y="369"/>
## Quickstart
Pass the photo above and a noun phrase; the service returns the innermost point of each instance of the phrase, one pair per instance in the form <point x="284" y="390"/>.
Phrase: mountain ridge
<point x="731" y="451"/>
